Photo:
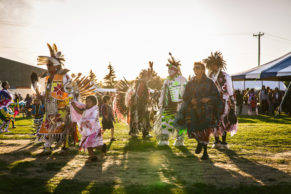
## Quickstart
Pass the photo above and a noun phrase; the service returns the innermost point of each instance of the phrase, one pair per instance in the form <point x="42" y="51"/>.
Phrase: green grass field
<point x="258" y="161"/>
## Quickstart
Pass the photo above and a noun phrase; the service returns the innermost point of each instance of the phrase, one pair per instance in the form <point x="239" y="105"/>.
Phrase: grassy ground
<point x="258" y="162"/>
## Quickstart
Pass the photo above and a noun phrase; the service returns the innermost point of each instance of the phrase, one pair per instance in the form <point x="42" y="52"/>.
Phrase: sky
<point x="129" y="33"/>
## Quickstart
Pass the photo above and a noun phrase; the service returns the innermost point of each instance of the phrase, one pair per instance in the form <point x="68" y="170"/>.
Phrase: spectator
<point x="250" y="94"/>
<point x="28" y="101"/>
<point x="239" y="101"/>
<point x="270" y="101"/>
<point x="253" y="105"/>
<point x="263" y="97"/>
<point x="277" y="97"/>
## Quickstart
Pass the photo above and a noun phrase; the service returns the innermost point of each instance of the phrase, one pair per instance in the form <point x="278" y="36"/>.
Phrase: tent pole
<point x="280" y="107"/>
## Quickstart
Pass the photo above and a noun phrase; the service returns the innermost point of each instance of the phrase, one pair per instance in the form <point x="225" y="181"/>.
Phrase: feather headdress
<point x="215" y="59"/>
<point x="173" y="62"/>
<point x="147" y="73"/>
<point x="56" y="58"/>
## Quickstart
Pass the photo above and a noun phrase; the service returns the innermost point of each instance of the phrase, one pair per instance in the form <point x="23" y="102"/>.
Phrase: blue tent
<point x="276" y="70"/>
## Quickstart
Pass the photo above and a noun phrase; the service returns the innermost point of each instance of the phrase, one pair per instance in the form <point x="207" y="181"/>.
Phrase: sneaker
<point x="216" y="145"/>
<point x="133" y="135"/>
<point x="178" y="143"/>
<point x="147" y="136"/>
<point x="224" y="146"/>
<point x="6" y="131"/>
<point x="112" y="139"/>
<point x="163" y="143"/>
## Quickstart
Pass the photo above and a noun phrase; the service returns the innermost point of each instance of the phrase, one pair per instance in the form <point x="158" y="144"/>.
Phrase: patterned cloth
<point x="224" y="84"/>
<point x="38" y="112"/>
<point x="90" y="128"/>
<point x="171" y="96"/>
<point x="6" y="114"/>
<point x="5" y="98"/>
<point x="202" y="118"/>
<point x="56" y="102"/>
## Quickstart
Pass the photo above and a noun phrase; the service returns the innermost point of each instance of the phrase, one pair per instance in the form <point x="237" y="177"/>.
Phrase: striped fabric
<point x="276" y="70"/>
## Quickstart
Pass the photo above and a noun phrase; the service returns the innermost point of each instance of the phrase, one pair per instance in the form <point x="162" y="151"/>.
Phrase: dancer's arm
<point x="80" y="111"/>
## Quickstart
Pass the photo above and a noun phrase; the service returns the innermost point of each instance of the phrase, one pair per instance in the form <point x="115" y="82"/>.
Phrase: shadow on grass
<point x="263" y="173"/>
<point x="280" y="119"/>
<point x="22" y="163"/>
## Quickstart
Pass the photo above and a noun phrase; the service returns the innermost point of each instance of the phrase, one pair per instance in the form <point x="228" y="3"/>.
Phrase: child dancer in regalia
<point x="38" y="111"/>
<point x="228" y="121"/>
<point x="170" y="100"/>
<point x="87" y="115"/>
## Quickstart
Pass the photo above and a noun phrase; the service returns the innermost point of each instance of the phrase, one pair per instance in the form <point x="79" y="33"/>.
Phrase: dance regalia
<point x="56" y="117"/>
<point x="170" y="100"/>
<point x="6" y="114"/>
<point x="139" y="113"/>
<point x="202" y="118"/>
<point x="90" y="128"/>
<point x="38" y="112"/>
<point x="224" y="84"/>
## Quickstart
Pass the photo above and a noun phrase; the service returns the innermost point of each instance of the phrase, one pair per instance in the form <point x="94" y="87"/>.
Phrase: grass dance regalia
<point x="170" y="101"/>
<point x="139" y="115"/>
<point x="6" y="114"/>
<point x="228" y="120"/>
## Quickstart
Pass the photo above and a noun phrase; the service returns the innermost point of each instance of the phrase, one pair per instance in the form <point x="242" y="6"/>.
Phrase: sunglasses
<point x="197" y="67"/>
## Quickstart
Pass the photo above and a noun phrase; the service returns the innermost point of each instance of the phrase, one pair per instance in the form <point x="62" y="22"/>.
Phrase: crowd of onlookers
<point x="25" y="104"/>
<point x="264" y="101"/>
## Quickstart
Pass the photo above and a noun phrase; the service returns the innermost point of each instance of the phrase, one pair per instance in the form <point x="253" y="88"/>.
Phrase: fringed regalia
<point x="139" y="113"/>
<point x="228" y="121"/>
<point x="201" y="118"/>
<point x="56" y="101"/>
<point x="38" y="112"/>
<point x="170" y="100"/>
<point x="6" y="114"/>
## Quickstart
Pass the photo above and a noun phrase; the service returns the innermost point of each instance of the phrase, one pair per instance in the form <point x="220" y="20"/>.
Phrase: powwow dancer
<point x="87" y="115"/>
<point x="56" y="120"/>
<point x="200" y="109"/>
<point x="228" y="120"/>
<point x="6" y="114"/>
<point x="170" y="101"/>
<point x="139" y="103"/>
<point x="38" y="112"/>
